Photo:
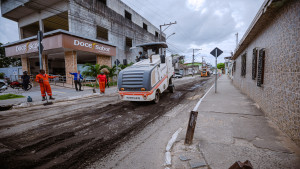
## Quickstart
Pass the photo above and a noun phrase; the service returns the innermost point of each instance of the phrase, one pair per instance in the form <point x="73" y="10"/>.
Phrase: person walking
<point x="77" y="80"/>
<point x="43" y="80"/>
<point x="102" y="81"/>
<point x="25" y="80"/>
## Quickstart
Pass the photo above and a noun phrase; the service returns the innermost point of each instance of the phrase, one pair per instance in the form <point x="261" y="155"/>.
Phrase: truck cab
<point x="148" y="78"/>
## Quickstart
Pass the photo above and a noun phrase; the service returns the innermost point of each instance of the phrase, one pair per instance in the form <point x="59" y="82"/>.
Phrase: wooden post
<point x="191" y="128"/>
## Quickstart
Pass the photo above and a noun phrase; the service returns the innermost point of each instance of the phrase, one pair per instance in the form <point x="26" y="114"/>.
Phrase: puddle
<point x="176" y="95"/>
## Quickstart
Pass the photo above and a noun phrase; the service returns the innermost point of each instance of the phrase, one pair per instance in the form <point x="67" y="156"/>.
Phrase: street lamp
<point x="170" y="35"/>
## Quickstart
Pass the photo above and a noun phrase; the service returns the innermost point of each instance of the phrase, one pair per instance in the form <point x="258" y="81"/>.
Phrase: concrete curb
<point x="38" y="103"/>
<point x="168" y="159"/>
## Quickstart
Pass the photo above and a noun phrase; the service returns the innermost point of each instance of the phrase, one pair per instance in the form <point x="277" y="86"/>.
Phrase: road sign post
<point x="216" y="52"/>
<point x="216" y="78"/>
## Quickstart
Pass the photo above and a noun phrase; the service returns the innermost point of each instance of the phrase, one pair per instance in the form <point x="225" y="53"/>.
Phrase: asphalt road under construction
<point x="74" y="134"/>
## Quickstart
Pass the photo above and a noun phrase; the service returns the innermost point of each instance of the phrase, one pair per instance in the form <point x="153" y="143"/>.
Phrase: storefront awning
<point x="59" y="39"/>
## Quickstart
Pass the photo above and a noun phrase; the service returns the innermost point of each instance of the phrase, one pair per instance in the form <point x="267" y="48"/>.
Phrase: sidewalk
<point x="60" y="93"/>
<point x="231" y="127"/>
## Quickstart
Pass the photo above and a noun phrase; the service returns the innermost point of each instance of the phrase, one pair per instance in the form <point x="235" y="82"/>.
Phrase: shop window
<point x="243" y="65"/>
<point x="127" y="15"/>
<point x="156" y="34"/>
<point x="102" y="33"/>
<point x="145" y="26"/>
<point x="261" y="67"/>
<point x="254" y="63"/>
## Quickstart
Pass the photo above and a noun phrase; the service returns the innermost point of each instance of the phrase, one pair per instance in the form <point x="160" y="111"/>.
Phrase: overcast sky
<point x="201" y="24"/>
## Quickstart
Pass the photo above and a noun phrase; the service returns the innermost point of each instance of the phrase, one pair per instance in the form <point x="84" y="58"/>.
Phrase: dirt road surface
<point x="74" y="134"/>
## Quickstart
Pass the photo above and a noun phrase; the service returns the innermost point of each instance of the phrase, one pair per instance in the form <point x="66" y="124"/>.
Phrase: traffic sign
<point x="216" y="52"/>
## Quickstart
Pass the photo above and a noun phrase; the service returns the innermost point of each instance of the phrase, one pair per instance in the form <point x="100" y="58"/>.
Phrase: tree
<point x="7" y="61"/>
<point x="92" y="71"/>
<point x="220" y="65"/>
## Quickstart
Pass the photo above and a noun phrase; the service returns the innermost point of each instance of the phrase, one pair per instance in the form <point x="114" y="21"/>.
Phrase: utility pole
<point x="193" y="61"/>
<point x="160" y="26"/>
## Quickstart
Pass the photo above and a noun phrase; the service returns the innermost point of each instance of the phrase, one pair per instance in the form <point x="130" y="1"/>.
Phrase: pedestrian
<point x="102" y="81"/>
<point x="43" y="79"/>
<point x="25" y="80"/>
<point x="77" y="80"/>
<point x="107" y="84"/>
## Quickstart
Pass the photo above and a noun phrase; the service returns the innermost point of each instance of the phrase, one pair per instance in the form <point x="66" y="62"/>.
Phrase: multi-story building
<point x="76" y="32"/>
<point x="267" y="64"/>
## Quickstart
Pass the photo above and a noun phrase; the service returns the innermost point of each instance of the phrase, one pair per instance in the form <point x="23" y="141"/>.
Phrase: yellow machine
<point x="204" y="72"/>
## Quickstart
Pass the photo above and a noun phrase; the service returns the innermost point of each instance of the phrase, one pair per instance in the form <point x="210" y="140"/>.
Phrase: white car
<point x="177" y="75"/>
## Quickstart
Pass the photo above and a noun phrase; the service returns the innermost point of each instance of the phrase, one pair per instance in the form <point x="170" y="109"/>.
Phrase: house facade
<point x="267" y="64"/>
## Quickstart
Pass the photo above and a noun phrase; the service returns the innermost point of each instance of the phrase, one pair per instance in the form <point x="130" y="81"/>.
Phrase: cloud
<point x="8" y="31"/>
<point x="200" y="23"/>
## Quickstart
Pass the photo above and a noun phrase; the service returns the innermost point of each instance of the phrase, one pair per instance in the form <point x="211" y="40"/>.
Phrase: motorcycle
<point x="18" y="85"/>
<point x="3" y="85"/>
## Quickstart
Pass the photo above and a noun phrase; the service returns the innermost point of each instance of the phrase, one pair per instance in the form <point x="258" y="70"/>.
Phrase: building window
<point x="261" y="67"/>
<point x="145" y="26"/>
<point x="156" y="34"/>
<point x="102" y="33"/>
<point x="234" y="66"/>
<point x="128" y="42"/>
<point x="127" y="15"/>
<point x="243" y="67"/>
<point x="102" y="1"/>
<point x="254" y="63"/>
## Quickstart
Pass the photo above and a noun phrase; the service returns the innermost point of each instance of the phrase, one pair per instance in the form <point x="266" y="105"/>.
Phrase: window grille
<point x="261" y="67"/>
<point x="234" y="66"/>
<point x="243" y="67"/>
<point x="254" y="63"/>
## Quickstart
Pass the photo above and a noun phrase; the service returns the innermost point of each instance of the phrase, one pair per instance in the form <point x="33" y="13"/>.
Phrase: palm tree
<point x="92" y="71"/>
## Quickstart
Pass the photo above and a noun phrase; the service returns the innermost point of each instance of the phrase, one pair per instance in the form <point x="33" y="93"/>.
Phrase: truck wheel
<point x="172" y="89"/>
<point x="156" y="100"/>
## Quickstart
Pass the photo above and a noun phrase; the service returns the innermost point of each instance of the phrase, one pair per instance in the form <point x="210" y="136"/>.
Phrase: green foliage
<point x="2" y="75"/>
<point x="125" y="66"/>
<point x="92" y="70"/>
<point x="7" y="61"/>
<point x="220" y="65"/>
<point x="181" y="61"/>
<point x="10" y="96"/>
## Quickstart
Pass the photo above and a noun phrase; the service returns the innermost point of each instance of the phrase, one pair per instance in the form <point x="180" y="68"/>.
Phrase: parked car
<point x="177" y="75"/>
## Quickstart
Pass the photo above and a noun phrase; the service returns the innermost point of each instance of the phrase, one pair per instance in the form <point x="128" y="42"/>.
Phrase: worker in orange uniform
<point x="43" y="79"/>
<point x="102" y="81"/>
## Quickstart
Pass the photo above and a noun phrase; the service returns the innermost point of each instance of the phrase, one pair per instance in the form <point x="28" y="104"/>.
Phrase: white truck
<point x="148" y="78"/>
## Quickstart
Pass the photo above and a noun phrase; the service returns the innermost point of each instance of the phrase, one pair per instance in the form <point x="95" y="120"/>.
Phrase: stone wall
<point x="25" y="64"/>
<point x="279" y="96"/>
<point x="70" y="65"/>
<point x="103" y="60"/>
